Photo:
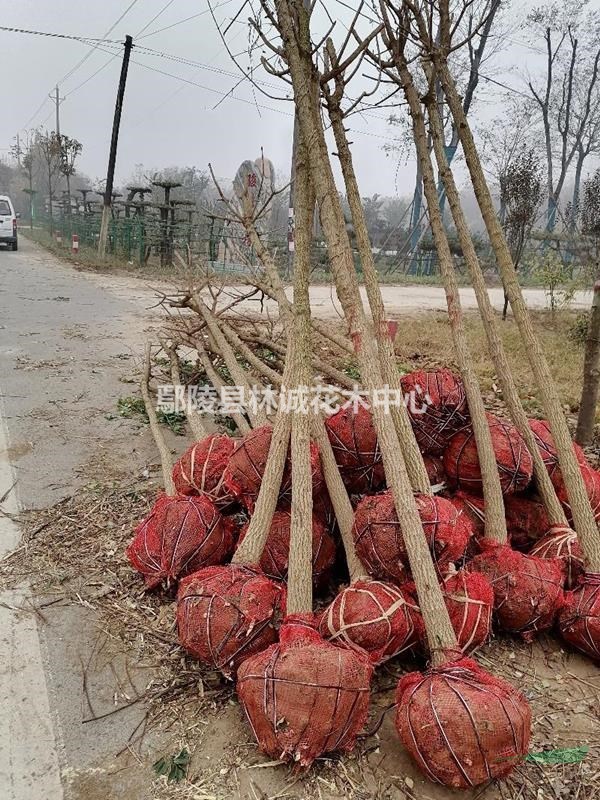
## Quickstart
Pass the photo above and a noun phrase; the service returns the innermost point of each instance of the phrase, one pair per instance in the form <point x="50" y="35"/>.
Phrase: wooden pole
<point x="112" y="158"/>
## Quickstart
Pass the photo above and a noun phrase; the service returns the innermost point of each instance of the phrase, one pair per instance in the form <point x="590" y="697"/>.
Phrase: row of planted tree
<point x="426" y="568"/>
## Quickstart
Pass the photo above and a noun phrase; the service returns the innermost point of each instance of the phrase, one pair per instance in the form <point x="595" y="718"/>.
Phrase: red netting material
<point x="545" y="443"/>
<point x="180" y="535"/>
<point x="275" y="556"/>
<point x="528" y="591"/>
<point x="526" y="521"/>
<point x="200" y="470"/>
<point x="382" y="619"/>
<point x="304" y="696"/>
<point x="469" y="599"/>
<point x="579" y="620"/>
<point x="225" y="614"/>
<point x="435" y="469"/>
<point x="380" y="544"/>
<point x="515" y="465"/>
<point x="356" y="450"/>
<point x="246" y="467"/>
<point x="591" y="480"/>
<point x="461" y="725"/>
<point x="437" y="408"/>
<point x="472" y="506"/>
<point x="562" y="543"/>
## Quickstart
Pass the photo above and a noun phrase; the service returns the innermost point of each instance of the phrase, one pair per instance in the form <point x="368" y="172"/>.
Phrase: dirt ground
<point x="123" y="694"/>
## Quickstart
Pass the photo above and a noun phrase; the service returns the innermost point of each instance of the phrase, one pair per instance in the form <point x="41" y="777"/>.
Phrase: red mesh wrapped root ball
<point x="591" y="480"/>
<point x="528" y="591"/>
<point x="579" y="620"/>
<point x="515" y="465"/>
<point x="246" y="467"/>
<point x="473" y="508"/>
<point x="545" y="443"/>
<point x="435" y="470"/>
<point x="225" y="614"/>
<point x="180" y="535"/>
<point x="437" y="406"/>
<point x="200" y="470"/>
<point x="304" y="696"/>
<point x="275" y="556"/>
<point x="562" y="543"/>
<point x="380" y="544"/>
<point x="469" y="599"/>
<point x="526" y="521"/>
<point x="380" y="618"/>
<point x="461" y="725"/>
<point x="354" y="443"/>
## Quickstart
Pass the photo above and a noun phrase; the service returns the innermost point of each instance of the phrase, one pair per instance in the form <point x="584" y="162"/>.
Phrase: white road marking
<point x="29" y="765"/>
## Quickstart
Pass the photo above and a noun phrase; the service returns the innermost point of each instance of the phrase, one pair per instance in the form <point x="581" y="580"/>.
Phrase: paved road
<point x="65" y="343"/>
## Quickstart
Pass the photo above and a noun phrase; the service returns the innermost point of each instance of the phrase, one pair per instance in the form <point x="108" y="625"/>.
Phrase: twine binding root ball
<point x="435" y="469"/>
<point x="275" y="556"/>
<point x="382" y="619"/>
<point x="180" y="535"/>
<point x="200" y="470"/>
<point x="356" y="450"/>
<point x="515" y="465"/>
<point x="561" y="542"/>
<point x="380" y="544"/>
<point x="246" y="467"/>
<point x="437" y="407"/>
<point x="305" y="696"/>
<point x="225" y="614"/>
<point x="528" y="591"/>
<point x="579" y="620"/>
<point x="469" y="599"/>
<point x="461" y="725"/>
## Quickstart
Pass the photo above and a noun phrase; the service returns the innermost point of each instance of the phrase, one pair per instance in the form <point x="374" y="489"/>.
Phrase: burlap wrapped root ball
<point x="437" y="405"/>
<point x="304" y="696"/>
<point x="275" y="557"/>
<point x="355" y="447"/>
<point x="380" y="544"/>
<point x="246" y="467"/>
<point x="469" y="598"/>
<point x="201" y="469"/>
<point x="461" y="725"/>
<point x="528" y="591"/>
<point x="562" y="543"/>
<point x="180" y="535"/>
<point x="225" y="614"/>
<point x="515" y="465"/>
<point x="579" y="620"/>
<point x="382" y="619"/>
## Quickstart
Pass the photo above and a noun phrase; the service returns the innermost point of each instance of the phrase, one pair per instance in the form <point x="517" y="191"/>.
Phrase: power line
<point x="155" y="17"/>
<point x="187" y="19"/>
<point x="84" y="39"/>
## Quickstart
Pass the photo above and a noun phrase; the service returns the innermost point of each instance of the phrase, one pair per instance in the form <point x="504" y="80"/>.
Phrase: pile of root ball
<point x="229" y="613"/>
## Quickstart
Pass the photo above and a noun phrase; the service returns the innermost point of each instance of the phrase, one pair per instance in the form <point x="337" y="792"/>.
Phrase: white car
<point x="8" y="223"/>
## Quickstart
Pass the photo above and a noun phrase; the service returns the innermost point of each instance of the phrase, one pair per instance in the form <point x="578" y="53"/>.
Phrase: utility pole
<point x="110" y="175"/>
<point x="57" y="100"/>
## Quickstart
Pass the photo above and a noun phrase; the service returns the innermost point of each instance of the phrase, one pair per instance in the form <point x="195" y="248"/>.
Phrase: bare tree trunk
<point x="591" y="375"/>
<point x="582" y="513"/>
<point x="193" y="418"/>
<point x="218" y="382"/>
<point x="293" y="22"/>
<point x="165" y="456"/>
<point x="299" y="598"/>
<point x="496" y="347"/>
<point x="495" y="521"/>
<point x="387" y="356"/>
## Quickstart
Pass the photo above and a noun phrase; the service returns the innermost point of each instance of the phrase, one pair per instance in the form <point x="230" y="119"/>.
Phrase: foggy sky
<point x="165" y="121"/>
